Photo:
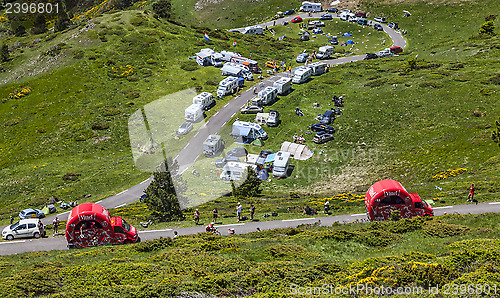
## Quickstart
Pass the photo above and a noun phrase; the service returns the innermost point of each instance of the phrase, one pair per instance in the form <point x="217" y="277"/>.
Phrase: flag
<point x="234" y="43"/>
<point x="206" y="37"/>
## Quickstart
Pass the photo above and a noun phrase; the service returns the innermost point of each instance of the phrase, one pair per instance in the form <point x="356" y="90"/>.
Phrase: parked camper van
<point x="302" y="75"/>
<point x="317" y="68"/>
<point x="248" y="130"/>
<point x="235" y="171"/>
<point x="283" y="85"/>
<point x="194" y="113"/>
<point x="236" y="70"/>
<point x="207" y="57"/>
<point x="227" y="86"/>
<point x="205" y="99"/>
<point x="253" y="30"/>
<point x="212" y="145"/>
<point x="226" y="55"/>
<point x="268" y="95"/>
<point x="324" y="52"/>
<point x="281" y="163"/>
<point x="310" y="6"/>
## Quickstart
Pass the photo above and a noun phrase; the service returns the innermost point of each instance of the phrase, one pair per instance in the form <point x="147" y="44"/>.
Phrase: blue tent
<point x="263" y="174"/>
<point x="317" y="31"/>
<point x="347" y="34"/>
<point x="350" y="41"/>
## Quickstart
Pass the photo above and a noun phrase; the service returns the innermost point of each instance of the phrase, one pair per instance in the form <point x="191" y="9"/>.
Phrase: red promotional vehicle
<point x="89" y="224"/>
<point x="388" y="195"/>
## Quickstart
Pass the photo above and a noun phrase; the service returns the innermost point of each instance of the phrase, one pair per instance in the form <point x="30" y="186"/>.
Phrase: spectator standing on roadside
<point x="470" y="197"/>
<point x="55" y="226"/>
<point x="215" y="214"/>
<point x="196" y="216"/>
<point x="238" y="211"/>
<point x="327" y="206"/>
<point x="41" y="228"/>
<point x="11" y="219"/>
<point x="252" y="211"/>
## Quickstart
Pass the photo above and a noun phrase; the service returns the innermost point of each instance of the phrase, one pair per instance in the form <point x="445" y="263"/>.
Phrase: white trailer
<point x="212" y="145"/>
<point x="317" y="68"/>
<point x="283" y="85"/>
<point x="324" y="52"/>
<point x="281" y="163"/>
<point x="252" y="30"/>
<point x="302" y="75"/>
<point x="227" y="86"/>
<point x="207" y="57"/>
<point x="247" y="74"/>
<point x="310" y="6"/>
<point x="205" y="99"/>
<point x="268" y="95"/>
<point x="235" y="170"/>
<point x="193" y="113"/>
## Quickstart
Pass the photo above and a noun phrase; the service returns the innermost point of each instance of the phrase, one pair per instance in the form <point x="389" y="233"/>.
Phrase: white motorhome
<point x="207" y="57"/>
<point x="252" y="30"/>
<point x="248" y="130"/>
<point x="268" y="95"/>
<point x="235" y="170"/>
<point x="212" y="145"/>
<point x="247" y="74"/>
<point x="281" y="163"/>
<point x="205" y="99"/>
<point x="302" y="75"/>
<point x="283" y="85"/>
<point x="227" y="86"/>
<point x="317" y="68"/>
<point x="236" y="70"/>
<point x="226" y="55"/>
<point x="310" y="6"/>
<point x="193" y="113"/>
<point x="324" y="52"/>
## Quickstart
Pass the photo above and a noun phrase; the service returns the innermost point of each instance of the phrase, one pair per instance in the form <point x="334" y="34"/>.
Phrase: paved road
<point x="59" y="243"/>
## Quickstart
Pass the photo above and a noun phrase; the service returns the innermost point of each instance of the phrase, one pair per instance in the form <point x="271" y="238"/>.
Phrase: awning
<point x="298" y="151"/>
<point x="241" y="131"/>
<point x="270" y="158"/>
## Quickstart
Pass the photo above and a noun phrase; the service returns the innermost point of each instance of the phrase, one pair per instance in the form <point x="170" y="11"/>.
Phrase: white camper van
<point x="207" y="57"/>
<point x="281" y="163"/>
<point x="310" y="6"/>
<point x="226" y="55"/>
<point x="205" y="99"/>
<point x="253" y="30"/>
<point x="193" y="113"/>
<point x="248" y="130"/>
<point x="236" y="70"/>
<point x="246" y="71"/>
<point x="317" y="68"/>
<point x="324" y="52"/>
<point x="301" y="75"/>
<point x="227" y="86"/>
<point x="212" y="145"/>
<point x="283" y="85"/>
<point x="235" y="170"/>
<point x="268" y="95"/>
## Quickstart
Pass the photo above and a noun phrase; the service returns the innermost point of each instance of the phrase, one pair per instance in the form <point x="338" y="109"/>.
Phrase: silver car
<point x="25" y="228"/>
<point x="185" y="128"/>
<point x="252" y="110"/>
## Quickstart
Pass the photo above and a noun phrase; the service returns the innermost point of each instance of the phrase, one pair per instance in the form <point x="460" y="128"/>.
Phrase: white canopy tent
<point x="298" y="151"/>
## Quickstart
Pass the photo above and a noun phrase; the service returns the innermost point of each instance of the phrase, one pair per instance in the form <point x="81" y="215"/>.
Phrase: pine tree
<point x="62" y="21"/>
<point x="4" y="53"/>
<point x="19" y="30"/>
<point x="249" y="188"/>
<point x="164" y="192"/>
<point x="488" y="28"/>
<point x="39" y="25"/>
<point x="163" y="9"/>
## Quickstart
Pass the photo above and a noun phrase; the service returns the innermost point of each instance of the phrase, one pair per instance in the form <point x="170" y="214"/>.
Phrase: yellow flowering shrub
<point x="20" y="92"/>
<point x="447" y="174"/>
<point x="121" y="72"/>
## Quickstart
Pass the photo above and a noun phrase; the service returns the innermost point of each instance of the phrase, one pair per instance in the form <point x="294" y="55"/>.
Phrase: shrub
<point x="153" y="245"/>
<point x="189" y="65"/>
<point x="11" y="122"/>
<point x="71" y="176"/>
<point x="285" y="251"/>
<point x="439" y="229"/>
<point x="376" y="83"/>
<point x="395" y="215"/>
<point x="333" y="81"/>
<point x="133" y="94"/>
<point x="100" y="125"/>
<point x="110" y="111"/>
<point x="431" y="84"/>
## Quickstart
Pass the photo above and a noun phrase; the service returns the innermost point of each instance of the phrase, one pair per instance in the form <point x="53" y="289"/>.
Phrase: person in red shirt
<point x="470" y="197"/>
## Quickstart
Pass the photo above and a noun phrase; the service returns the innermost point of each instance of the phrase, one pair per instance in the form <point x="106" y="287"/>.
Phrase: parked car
<point x="273" y="64"/>
<point x="380" y="19"/>
<point x="185" y="128"/>
<point x="289" y="12"/>
<point x="353" y="19"/>
<point x="333" y="9"/>
<point x="326" y="16"/>
<point x="220" y="163"/>
<point x="304" y="37"/>
<point x="370" y="56"/>
<point x="318" y="23"/>
<point x="302" y="57"/>
<point x="322" y="137"/>
<point x="296" y="20"/>
<point x="396" y="50"/>
<point x="378" y="27"/>
<point x="25" y="228"/>
<point x="238" y="152"/>
<point x="273" y="119"/>
<point x="31" y="213"/>
<point x="393" y="25"/>
<point x="344" y="11"/>
<point x="317" y="127"/>
<point x="360" y="14"/>
<point x="252" y="110"/>
<point x="384" y="53"/>
<point x="327" y="117"/>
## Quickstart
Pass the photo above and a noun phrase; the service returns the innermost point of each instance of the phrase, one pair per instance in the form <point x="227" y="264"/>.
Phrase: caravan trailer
<point x="227" y="86"/>
<point x="317" y="68"/>
<point x="283" y="85"/>
<point x="205" y="99"/>
<point x="194" y="113"/>
<point x="302" y="75"/>
<point x="310" y="6"/>
<point x="236" y="70"/>
<point x="212" y="145"/>
<point x="252" y="65"/>
<point x="207" y="57"/>
<point x="268" y="95"/>
<point x="281" y="163"/>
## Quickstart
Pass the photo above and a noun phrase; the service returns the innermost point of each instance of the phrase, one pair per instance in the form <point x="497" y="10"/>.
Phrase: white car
<point x="25" y="228"/>
<point x="318" y="23"/>
<point x="384" y="53"/>
<point x="380" y="19"/>
<point x="185" y="128"/>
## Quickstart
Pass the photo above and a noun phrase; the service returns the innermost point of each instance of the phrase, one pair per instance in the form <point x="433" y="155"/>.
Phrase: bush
<point x="189" y="65"/>
<point x="153" y="245"/>
<point x="71" y="176"/>
<point x="163" y="9"/>
<point x="431" y="84"/>
<point x="11" y="122"/>
<point x="439" y="229"/>
<point x="100" y="125"/>
<point x="376" y="83"/>
<point x="285" y="251"/>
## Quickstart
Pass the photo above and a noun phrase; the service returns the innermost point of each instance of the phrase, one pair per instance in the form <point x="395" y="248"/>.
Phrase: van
<point x="302" y="75"/>
<point x="324" y="52"/>
<point x="194" y="113"/>
<point x="252" y="30"/>
<point x="205" y="99"/>
<point x="281" y="163"/>
<point x="248" y="130"/>
<point x="212" y="145"/>
<point x="317" y="68"/>
<point x="226" y="55"/>
<point x="227" y="86"/>
<point x="236" y="70"/>
<point x="25" y="228"/>
<point x="268" y="95"/>
<point x="283" y="85"/>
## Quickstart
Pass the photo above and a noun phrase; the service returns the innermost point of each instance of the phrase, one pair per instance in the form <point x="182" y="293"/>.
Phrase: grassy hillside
<point x="419" y="253"/>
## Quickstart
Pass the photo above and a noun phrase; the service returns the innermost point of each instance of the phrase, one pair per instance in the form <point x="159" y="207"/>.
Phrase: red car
<point x="396" y="50"/>
<point x="296" y="20"/>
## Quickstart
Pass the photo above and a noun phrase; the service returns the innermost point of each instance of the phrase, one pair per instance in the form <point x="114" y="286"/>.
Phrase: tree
<point x="163" y="9"/>
<point x="19" y="30"/>
<point x="495" y="135"/>
<point x="39" y="25"/>
<point x="249" y="188"/>
<point x="488" y="28"/>
<point x="161" y="195"/>
<point x="4" y="53"/>
<point x="62" y="21"/>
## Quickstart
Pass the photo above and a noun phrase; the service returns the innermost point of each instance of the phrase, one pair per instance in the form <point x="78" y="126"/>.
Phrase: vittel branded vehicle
<point x="385" y="196"/>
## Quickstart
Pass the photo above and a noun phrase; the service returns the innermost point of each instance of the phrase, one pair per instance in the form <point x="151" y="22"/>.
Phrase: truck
<point x="235" y="170"/>
<point x="388" y="195"/>
<point x="317" y="68"/>
<point x="283" y="85"/>
<point x="267" y="96"/>
<point x="208" y="57"/>
<point x="89" y="224"/>
<point x="205" y="99"/>
<point x="301" y="75"/>
<point x="248" y="130"/>
<point x="281" y="163"/>
<point x="324" y="52"/>
<point x="227" y="86"/>
<point x="252" y="30"/>
<point x="235" y="70"/>
<point x="194" y="113"/>
<point x="212" y="145"/>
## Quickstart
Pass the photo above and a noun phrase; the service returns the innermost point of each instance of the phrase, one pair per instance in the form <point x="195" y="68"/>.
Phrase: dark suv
<point x="327" y="117"/>
<point x="317" y="127"/>
<point x="322" y="137"/>
<point x="370" y="56"/>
